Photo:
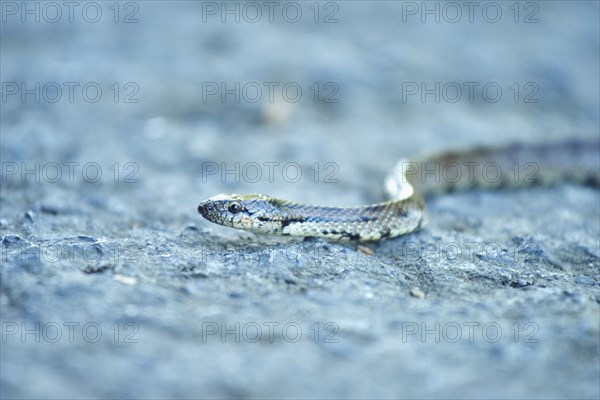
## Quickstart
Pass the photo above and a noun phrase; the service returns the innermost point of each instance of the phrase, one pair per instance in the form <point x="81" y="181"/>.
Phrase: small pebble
<point x="416" y="292"/>
<point x="30" y="215"/>
<point x="128" y="280"/>
<point x="11" y="239"/>
<point x="365" y="250"/>
<point x="585" y="280"/>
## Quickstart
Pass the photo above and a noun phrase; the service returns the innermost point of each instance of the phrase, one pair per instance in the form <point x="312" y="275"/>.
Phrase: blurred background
<point x="117" y="118"/>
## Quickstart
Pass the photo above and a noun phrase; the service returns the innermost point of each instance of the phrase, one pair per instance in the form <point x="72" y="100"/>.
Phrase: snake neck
<point x="364" y="223"/>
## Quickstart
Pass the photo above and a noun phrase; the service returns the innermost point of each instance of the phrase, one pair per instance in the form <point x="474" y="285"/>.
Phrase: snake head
<point x="242" y="211"/>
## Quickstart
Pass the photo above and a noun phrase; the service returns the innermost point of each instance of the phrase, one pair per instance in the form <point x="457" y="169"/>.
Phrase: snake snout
<point x="204" y="208"/>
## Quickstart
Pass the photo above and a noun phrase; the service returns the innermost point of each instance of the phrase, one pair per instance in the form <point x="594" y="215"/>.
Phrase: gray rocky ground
<point x="112" y="286"/>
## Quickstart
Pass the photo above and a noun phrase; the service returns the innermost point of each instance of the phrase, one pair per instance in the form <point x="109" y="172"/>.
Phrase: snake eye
<point x="235" y="207"/>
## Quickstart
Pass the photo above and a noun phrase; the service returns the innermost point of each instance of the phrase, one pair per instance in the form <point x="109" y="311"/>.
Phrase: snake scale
<point x="407" y="185"/>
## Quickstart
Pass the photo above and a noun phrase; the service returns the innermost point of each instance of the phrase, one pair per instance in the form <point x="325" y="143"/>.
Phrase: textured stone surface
<point x="497" y="297"/>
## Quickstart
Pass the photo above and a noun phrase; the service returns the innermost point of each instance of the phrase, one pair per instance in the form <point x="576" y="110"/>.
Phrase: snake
<point x="407" y="185"/>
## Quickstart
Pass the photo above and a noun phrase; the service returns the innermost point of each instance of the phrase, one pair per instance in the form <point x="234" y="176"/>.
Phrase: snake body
<point x="407" y="185"/>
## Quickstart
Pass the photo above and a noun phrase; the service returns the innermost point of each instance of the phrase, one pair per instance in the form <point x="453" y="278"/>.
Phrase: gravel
<point x="112" y="286"/>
